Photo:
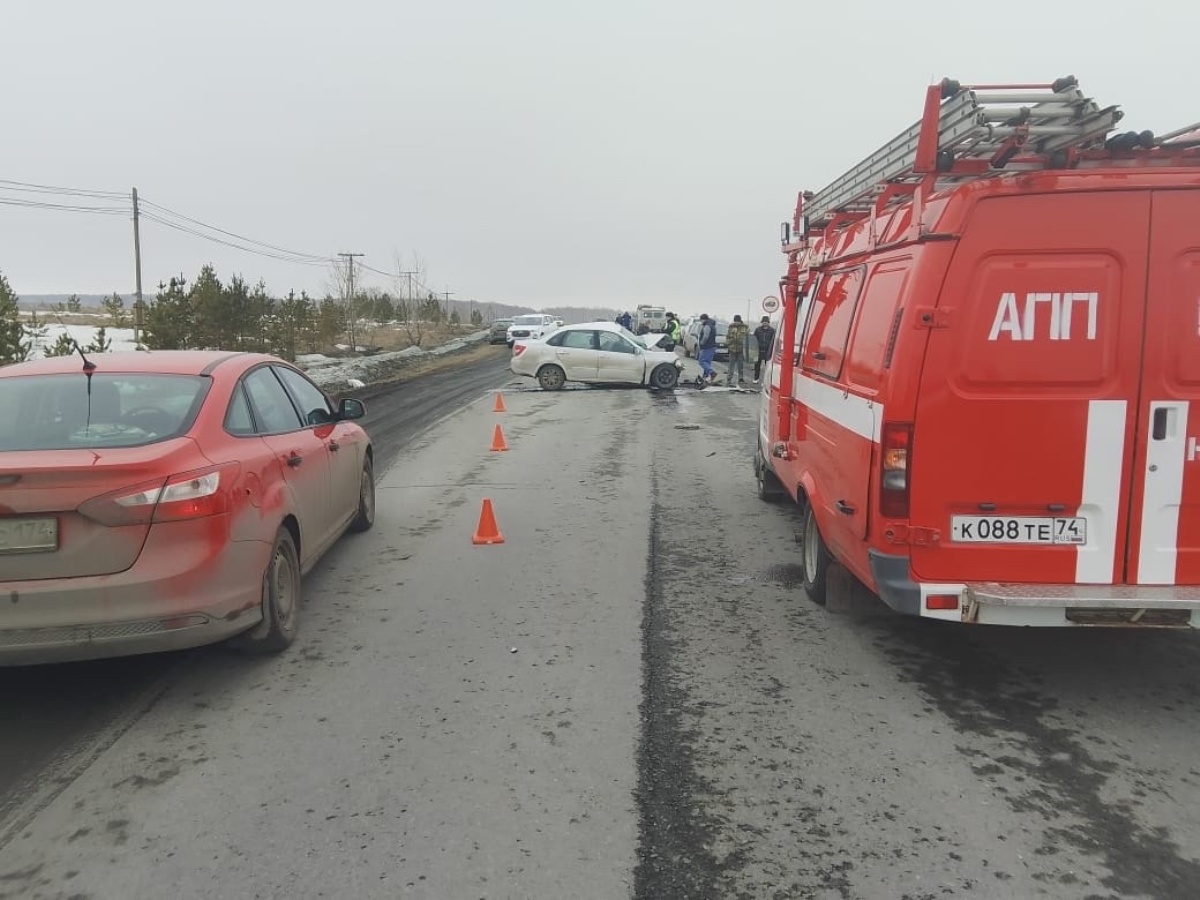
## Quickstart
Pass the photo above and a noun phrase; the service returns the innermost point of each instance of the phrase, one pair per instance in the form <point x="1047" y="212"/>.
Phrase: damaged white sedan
<point x="596" y="353"/>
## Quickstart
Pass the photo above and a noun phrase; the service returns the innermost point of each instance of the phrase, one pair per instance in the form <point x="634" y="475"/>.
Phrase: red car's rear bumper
<point x="186" y="588"/>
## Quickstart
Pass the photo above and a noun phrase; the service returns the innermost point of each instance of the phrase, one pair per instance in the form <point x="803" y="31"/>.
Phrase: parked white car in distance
<point x="596" y="353"/>
<point x="535" y="325"/>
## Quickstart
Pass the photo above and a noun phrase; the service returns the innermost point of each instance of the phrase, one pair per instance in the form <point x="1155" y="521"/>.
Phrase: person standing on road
<point x="673" y="329"/>
<point x="764" y="334"/>
<point x="735" y="341"/>
<point x="707" y="344"/>
<point x="625" y="320"/>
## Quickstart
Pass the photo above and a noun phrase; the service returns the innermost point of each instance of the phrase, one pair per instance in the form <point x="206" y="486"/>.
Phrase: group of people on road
<point x="737" y="341"/>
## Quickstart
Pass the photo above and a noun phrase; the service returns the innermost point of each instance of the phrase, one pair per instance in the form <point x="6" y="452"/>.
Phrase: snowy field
<point x="329" y="372"/>
<point x="333" y="373"/>
<point x="121" y="338"/>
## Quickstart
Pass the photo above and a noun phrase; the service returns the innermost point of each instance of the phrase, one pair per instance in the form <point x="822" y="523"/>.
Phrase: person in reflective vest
<point x="673" y="330"/>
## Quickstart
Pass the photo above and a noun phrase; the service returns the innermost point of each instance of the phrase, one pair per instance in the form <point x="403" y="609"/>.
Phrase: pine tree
<point x="214" y="309"/>
<point x="13" y="346"/>
<point x="331" y="320"/>
<point x="100" y="343"/>
<point x="114" y="305"/>
<point x="35" y="332"/>
<point x="62" y="346"/>
<point x="169" y="319"/>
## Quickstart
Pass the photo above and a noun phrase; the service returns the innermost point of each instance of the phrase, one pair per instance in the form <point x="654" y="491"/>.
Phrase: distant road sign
<point x="770" y="304"/>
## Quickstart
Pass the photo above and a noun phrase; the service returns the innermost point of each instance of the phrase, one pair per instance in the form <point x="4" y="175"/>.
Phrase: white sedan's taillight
<point x="518" y="349"/>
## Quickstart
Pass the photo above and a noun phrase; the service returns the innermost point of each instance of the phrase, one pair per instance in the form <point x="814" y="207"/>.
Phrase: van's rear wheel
<point x="816" y="557"/>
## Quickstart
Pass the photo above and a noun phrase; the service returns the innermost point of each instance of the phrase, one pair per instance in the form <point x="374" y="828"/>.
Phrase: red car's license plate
<point x="28" y="535"/>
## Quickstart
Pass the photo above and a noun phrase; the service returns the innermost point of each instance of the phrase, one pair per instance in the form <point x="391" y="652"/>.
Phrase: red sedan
<point x="160" y="500"/>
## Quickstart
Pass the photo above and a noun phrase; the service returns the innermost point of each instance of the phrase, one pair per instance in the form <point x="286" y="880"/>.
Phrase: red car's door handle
<point x="294" y="460"/>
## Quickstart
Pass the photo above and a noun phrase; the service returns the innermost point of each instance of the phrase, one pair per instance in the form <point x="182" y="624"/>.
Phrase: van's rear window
<point x="64" y="412"/>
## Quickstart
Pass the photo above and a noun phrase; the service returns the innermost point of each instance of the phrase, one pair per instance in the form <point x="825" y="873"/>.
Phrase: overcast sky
<point x="530" y="151"/>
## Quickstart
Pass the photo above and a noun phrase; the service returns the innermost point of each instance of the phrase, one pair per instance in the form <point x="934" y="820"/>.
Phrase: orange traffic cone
<point x="498" y="439"/>
<point x="499" y="407"/>
<point x="487" y="532"/>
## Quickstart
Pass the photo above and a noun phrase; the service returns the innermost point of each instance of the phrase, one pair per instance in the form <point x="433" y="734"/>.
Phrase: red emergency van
<point x="985" y="390"/>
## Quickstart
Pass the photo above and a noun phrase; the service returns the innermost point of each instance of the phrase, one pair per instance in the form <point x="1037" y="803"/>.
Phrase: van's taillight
<point x="189" y="495"/>
<point x="897" y="455"/>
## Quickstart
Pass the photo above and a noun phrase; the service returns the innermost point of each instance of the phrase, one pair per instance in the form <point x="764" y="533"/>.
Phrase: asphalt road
<point x="629" y="697"/>
<point x="398" y="413"/>
<point x="54" y="718"/>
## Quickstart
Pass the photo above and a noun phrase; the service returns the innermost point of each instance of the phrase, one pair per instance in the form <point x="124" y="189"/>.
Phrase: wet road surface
<point x="630" y="697"/>
<point x="53" y="718"/>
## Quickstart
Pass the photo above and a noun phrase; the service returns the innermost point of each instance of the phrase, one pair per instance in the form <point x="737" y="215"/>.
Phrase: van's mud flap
<point x="845" y="594"/>
<point x="896" y="589"/>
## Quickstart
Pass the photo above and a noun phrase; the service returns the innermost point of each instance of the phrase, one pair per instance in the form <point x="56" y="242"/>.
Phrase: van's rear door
<point x="1025" y="418"/>
<point x="1164" y="540"/>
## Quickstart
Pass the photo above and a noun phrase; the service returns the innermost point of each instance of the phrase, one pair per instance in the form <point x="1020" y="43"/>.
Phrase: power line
<point x="63" y="207"/>
<point x="324" y="259"/>
<point x="424" y="287"/>
<point x="258" y="248"/>
<point x="28" y="187"/>
<point x="306" y="261"/>
<point x="275" y="252"/>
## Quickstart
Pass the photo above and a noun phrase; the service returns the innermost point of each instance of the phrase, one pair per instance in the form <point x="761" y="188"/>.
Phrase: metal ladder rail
<point x="1187" y="136"/>
<point x="895" y="159"/>
<point x="968" y="129"/>
<point x="1073" y="121"/>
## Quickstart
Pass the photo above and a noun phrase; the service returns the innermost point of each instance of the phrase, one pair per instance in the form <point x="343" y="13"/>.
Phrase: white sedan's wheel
<point x="551" y="378"/>
<point x="664" y="377"/>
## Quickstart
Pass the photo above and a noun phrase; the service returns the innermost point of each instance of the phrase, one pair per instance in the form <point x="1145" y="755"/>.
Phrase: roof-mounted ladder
<point x="971" y="132"/>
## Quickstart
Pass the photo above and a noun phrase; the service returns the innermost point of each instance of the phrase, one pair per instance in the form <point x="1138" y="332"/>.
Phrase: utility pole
<point x="137" y="262"/>
<point x="349" y="257"/>
<point x="447" y="294"/>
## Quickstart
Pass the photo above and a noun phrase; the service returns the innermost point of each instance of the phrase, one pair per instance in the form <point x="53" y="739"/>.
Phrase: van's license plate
<point x="28" y="535"/>
<point x="1018" y="530"/>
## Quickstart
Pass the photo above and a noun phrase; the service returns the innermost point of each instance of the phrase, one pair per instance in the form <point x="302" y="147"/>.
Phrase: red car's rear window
<point x="66" y="412"/>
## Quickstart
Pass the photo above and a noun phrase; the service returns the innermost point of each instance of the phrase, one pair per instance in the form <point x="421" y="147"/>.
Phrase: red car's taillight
<point x="893" y="480"/>
<point x="189" y="495"/>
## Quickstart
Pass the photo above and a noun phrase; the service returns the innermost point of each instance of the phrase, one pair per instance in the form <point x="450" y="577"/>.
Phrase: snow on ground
<point x="121" y="338"/>
<point x="334" y="373"/>
<point x="328" y="372"/>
